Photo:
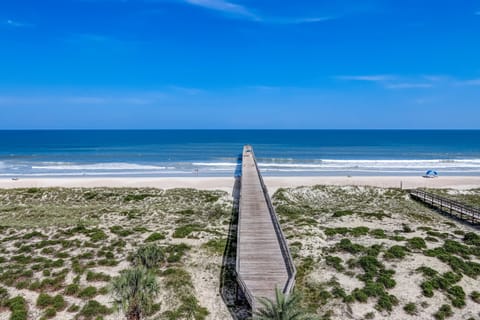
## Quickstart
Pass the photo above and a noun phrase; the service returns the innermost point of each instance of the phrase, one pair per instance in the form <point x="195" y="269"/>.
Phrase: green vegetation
<point x="395" y="252"/>
<point x="416" y="243"/>
<point x="475" y="295"/>
<point x="149" y="256"/>
<point x="335" y="262"/>
<point x="93" y="276"/>
<point x="285" y="307"/>
<point x="18" y="308"/>
<point x="155" y="237"/>
<point x="94" y="310"/>
<point x="410" y="308"/>
<point x="445" y="311"/>
<point x="134" y="292"/>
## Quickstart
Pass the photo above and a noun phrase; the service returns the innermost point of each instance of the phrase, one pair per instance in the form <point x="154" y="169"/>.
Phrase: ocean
<point x="94" y="153"/>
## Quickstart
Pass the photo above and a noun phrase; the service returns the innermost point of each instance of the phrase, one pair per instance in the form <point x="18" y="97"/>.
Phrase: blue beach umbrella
<point x="431" y="173"/>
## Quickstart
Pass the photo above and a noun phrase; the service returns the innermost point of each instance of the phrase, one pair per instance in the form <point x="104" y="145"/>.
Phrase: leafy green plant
<point x="416" y="243"/>
<point x="149" y="256"/>
<point x="410" y="308"/>
<point x="445" y="311"/>
<point x="395" y="252"/>
<point x="155" y="237"/>
<point x="100" y="276"/>
<point x="88" y="292"/>
<point x="94" y="310"/>
<point x="475" y="295"/>
<point x="335" y="262"/>
<point x="134" y="292"/>
<point x="18" y="308"/>
<point x="284" y="307"/>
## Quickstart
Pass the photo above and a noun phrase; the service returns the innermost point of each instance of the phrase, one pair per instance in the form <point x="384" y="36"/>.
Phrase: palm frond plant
<point x="134" y="292"/>
<point x="285" y="307"/>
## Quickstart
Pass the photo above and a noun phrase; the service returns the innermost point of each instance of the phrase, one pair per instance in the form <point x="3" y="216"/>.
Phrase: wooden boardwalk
<point x="263" y="258"/>
<point x="449" y="206"/>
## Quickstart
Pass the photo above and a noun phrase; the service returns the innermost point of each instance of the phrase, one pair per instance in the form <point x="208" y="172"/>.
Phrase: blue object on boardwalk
<point x="431" y="174"/>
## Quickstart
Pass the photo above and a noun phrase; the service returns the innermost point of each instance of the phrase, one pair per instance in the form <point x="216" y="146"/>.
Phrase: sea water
<point x="93" y="153"/>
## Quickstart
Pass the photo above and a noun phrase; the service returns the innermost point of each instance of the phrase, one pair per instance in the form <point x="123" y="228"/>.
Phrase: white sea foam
<point x="334" y="164"/>
<point x="97" y="166"/>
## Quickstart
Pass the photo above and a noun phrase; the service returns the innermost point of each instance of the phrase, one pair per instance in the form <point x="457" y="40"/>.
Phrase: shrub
<point x="72" y="289"/>
<point x="416" y="243"/>
<point x="100" y="276"/>
<point x="378" y="233"/>
<point x="385" y="278"/>
<point x="427" y="288"/>
<point x="386" y="302"/>
<point x="59" y="303"/>
<point x="410" y="308"/>
<point x="44" y="300"/>
<point x="155" y="236"/>
<point x="88" y="292"/>
<point x="341" y="213"/>
<point x="370" y="265"/>
<point x="348" y="246"/>
<point x="359" y="295"/>
<point x="119" y="231"/>
<point x="185" y="231"/>
<point x="97" y="235"/>
<point x="427" y="271"/>
<point x="18" y="307"/>
<point x="73" y="308"/>
<point x="149" y="256"/>
<point x="475" y="295"/>
<point x="4" y="296"/>
<point x="472" y="238"/>
<point x="93" y="309"/>
<point x="457" y="295"/>
<point x="335" y="262"/>
<point x="445" y="311"/>
<point x="50" y="313"/>
<point x="395" y="252"/>
<point x="359" y="231"/>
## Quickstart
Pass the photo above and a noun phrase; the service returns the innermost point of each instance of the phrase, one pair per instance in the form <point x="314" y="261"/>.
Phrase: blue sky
<point x="239" y="64"/>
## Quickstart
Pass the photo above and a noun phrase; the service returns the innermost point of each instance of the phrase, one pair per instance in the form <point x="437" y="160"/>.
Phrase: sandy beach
<point x="226" y="183"/>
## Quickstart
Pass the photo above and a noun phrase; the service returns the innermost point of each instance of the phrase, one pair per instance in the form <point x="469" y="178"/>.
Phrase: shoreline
<point x="226" y="183"/>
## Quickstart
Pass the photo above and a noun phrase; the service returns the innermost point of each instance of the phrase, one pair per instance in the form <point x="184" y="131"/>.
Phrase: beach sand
<point x="226" y="183"/>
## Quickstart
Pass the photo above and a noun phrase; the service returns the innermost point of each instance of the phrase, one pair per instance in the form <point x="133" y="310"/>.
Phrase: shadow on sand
<point x="229" y="290"/>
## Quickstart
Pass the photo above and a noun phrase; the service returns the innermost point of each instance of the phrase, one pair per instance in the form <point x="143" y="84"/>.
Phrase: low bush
<point x="348" y="246"/>
<point x="457" y="295"/>
<point x="445" y="311"/>
<point x="149" y="256"/>
<point x="416" y="243"/>
<point x="395" y="252"/>
<point x="94" y="310"/>
<point x="88" y="292"/>
<point x="155" y="237"/>
<point x="386" y="302"/>
<point x="410" y="308"/>
<point x="18" y="308"/>
<point x="335" y="262"/>
<point x="475" y="296"/>
<point x="100" y="276"/>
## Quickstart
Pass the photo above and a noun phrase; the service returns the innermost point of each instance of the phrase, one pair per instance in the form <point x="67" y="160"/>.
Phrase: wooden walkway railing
<point x="263" y="261"/>
<point x="452" y="207"/>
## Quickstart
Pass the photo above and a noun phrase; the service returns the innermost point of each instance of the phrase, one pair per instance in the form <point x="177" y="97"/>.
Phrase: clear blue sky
<point x="239" y="64"/>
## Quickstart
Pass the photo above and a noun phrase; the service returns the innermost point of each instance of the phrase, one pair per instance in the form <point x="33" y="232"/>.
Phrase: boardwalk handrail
<point x="433" y="199"/>
<point x="287" y="256"/>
